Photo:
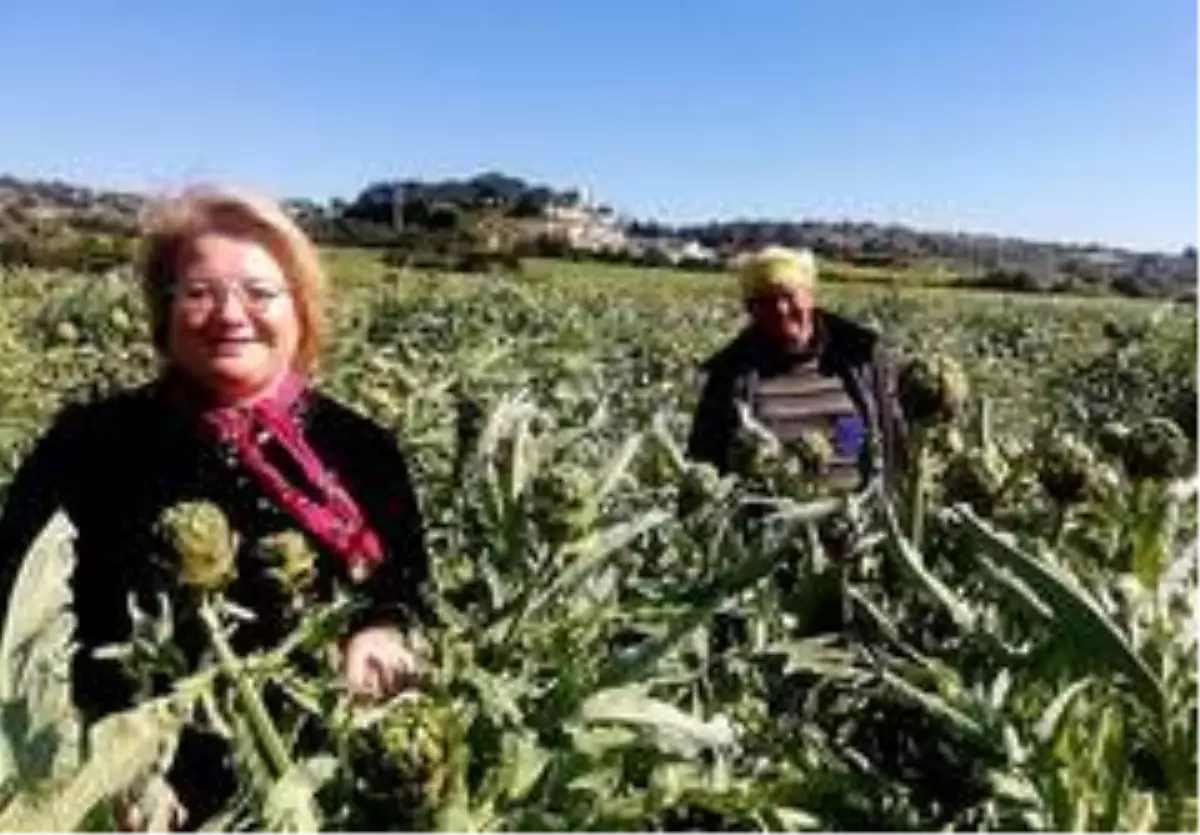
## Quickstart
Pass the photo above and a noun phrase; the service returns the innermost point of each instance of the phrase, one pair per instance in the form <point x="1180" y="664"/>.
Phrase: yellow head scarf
<point x="776" y="266"/>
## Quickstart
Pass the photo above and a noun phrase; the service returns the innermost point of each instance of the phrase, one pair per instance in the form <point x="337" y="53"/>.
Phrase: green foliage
<point x="627" y="640"/>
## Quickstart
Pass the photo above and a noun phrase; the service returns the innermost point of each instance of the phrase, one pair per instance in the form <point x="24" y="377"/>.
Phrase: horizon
<point x="1033" y="131"/>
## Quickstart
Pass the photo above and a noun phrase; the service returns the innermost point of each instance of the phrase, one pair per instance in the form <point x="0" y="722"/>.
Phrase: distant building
<point x="584" y="226"/>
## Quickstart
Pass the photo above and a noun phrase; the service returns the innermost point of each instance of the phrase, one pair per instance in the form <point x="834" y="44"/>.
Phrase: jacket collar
<point x="838" y="342"/>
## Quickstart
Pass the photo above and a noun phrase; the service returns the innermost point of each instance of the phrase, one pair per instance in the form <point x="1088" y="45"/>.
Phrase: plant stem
<point x="260" y="719"/>
<point x="918" y="487"/>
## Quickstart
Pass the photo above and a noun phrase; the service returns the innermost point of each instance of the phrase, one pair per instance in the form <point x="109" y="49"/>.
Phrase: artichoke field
<point x="628" y="640"/>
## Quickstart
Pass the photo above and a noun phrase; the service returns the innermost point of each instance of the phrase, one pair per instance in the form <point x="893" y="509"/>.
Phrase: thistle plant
<point x="291" y="561"/>
<point x="203" y="544"/>
<point x="205" y="550"/>
<point x="932" y="391"/>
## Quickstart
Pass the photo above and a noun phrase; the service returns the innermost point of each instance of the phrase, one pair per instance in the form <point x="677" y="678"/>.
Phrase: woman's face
<point x="232" y="325"/>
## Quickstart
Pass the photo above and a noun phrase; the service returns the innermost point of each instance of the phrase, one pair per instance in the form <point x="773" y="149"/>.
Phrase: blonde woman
<point x="234" y="293"/>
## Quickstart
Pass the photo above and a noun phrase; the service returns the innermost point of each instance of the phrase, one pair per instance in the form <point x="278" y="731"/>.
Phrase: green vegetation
<point x="628" y="641"/>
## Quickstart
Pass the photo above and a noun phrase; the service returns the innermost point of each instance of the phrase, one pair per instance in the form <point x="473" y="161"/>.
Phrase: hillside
<point x="50" y="223"/>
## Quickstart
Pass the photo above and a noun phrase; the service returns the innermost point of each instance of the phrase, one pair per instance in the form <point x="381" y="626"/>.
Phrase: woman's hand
<point x="378" y="663"/>
<point x="166" y="812"/>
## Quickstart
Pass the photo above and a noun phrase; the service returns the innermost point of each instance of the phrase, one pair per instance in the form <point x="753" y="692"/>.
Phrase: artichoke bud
<point x="200" y="538"/>
<point x="290" y="559"/>
<point x="1106" y="481"/>
<point x="121" y="320"/>
<point x="976" y="478"/>
<point x="378" y="399"/>
<point x="1156" y="450"/>
<point x="403" y="758"/>
<point x="699" y="485"/>
<point x="563" y="504"/>
<point x="1112" y="438"/>
<point x="755" y="449"/>
<point x="932" y="390"/>
<point x="66" y="333"/>
<point x="813" y="450"/>
<point x="1066" y="469"/>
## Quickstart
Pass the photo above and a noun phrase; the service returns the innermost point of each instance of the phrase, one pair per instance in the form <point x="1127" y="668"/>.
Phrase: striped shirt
<point x="802" y="401"/>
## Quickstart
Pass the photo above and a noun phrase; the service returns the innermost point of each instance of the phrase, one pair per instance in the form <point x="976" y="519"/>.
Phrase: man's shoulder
<point x="848" y="340"/>
<point x="733" y="355"/>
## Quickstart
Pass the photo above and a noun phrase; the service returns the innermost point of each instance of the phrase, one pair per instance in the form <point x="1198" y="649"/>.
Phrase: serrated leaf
<point x="672" y="729"/>
<point x="601" y="782"/>
<point x="527" y="761"/>
<point x="912" y="562"/>
<point x="1088" y="627"/>
<point x="785" y="819"/>
<point x="1051" y="724"/>
<point x="291" y="805"/>
<point x="596" y="742"/>
<point x="122" y="748"/>
<point x="935" y="705"/>
<point x="819" y="655"/>
<point x="589" y="554"/>
<point x="610" y="479"/>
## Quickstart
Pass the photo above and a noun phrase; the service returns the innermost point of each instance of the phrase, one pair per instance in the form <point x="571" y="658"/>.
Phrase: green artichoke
<point x="755" y="451"/>
<point x="562" y="503"/>
<point x="400" y="764"/>
<point x="121" y="320"/>
<point x="699" y="485"/>
<point x="66" y="333"/>
<point x="813" y="451"/>
<point x="201" y="540"/>
<point x="291" y="559"/>
<point x="976" y="478"/>
<point x="1112" y="439"/>
<point x="1156" y="450"/>
<point x="1065" y="469"/>
<point x="932" y="390"/>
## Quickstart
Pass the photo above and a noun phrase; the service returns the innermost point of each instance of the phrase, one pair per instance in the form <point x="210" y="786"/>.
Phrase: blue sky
<point x="1062" y="119"/>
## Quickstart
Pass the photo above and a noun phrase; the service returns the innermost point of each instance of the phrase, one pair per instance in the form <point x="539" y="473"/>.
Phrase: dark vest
<point x="842" y="389"/>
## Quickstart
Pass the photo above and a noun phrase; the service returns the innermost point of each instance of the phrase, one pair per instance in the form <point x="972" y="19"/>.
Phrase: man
<point x="799" y="371"/>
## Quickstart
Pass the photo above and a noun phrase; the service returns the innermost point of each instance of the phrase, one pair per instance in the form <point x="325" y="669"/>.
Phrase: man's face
<point x="783" y="315"/>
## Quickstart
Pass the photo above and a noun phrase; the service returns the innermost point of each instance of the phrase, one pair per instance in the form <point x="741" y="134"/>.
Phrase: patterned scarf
<point x="322" y="505"/>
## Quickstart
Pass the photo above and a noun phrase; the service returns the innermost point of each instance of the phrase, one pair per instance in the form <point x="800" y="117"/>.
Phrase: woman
<point x="233" y="289"/>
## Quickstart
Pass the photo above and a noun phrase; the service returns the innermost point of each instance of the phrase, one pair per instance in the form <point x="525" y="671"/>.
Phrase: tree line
<point x="494" y="218"/>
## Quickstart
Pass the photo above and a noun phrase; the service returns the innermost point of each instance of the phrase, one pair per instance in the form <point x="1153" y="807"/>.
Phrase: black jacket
<point x="114" y="465"/>
<point x="845" y="349"/>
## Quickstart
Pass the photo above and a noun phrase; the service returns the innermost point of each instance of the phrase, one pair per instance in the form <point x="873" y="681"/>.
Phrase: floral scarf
<point x="322" y="506"/>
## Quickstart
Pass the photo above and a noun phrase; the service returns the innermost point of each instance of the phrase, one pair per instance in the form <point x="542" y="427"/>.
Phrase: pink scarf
<point x="333" y="518"/>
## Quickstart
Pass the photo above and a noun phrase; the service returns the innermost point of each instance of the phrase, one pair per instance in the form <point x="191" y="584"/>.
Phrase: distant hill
<point x="36" y="216"/>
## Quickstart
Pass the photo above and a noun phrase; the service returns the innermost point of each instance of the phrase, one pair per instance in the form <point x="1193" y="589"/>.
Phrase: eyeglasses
<point x="201" y="295"/>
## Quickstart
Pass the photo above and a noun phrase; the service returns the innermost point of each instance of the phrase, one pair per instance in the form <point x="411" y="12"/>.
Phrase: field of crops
<point x="628" y="641"/>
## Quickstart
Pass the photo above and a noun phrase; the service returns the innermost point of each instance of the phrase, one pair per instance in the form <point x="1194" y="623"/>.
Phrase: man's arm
<point x="715" y="422"/>
<point x="891" y="418"/>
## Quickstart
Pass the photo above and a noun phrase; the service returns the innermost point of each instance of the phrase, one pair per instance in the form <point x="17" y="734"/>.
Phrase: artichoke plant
<point x="1065" y="469"/>
<point x="562" y="503"/>
<point x="976" y="478"/>
<point x="699" y="485"/>
<point x="1156" y="450"/>
<point x="932" y="390"/>
<point x="291" y="560"/>
<point x="202" y="541"/>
